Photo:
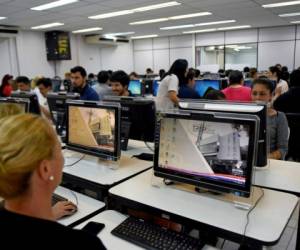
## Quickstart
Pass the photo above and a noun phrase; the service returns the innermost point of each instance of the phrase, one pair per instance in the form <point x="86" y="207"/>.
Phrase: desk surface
<point x="86" y="205"/>
<point x="138" y="147"/>
<point x="89" y="168"/>
<point x="111" y="219"/>
<point x="267" y="220"/>
<point x="280" y="175"/>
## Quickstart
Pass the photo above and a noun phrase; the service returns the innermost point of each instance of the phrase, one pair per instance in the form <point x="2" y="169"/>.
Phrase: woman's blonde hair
<point x="7" y="109"/>
<point x="25" y="141"/>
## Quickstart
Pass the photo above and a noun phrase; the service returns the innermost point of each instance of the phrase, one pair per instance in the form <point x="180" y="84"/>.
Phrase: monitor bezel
<point x="33" y="100"/>
<point x="202" y="182"/>
<point x="101" y="153"/>
<point x="16" y="100"/>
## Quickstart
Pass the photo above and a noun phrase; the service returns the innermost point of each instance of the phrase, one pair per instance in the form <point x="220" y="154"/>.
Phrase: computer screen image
<point x="136" y="87"/>
<point x="248" y="83"/>
<point x="10" y="103"/>
<point x="206" y="151"/>
<point x="93" y="128"/>
<point x="257" y="109"/>
<point x="155" y="87"/>
<point x="201" y="86"/>
<point x="137" y="118"/>
<point x="32" y="98"/>
<point x="57" y="106"/>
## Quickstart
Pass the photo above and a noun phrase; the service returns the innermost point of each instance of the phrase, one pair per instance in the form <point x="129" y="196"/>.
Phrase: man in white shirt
<point x="44" y="85"/>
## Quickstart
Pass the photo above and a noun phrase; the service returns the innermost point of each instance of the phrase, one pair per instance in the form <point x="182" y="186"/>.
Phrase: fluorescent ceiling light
<point x="164" y="19"/>
<point x="290" y="14"/>
<point x="2" y="17"/>
<point x="281" y="4"/>
<point x="157" y="20"/>
<point x="119" y="34"/>
<point x="235" y="27"/>
<point x="190" y="15"/>
<point x="196" y="25"/>
<point x="178" y="27"/>
<point x="87" y="30"/>
<point x="146" y="36"/>
<point x="141" y="9"/>
<point x="46" y="26"/>
<point x="53" y="4"/>
<point x="214" y="23"/>
<point x="295" y="22"/>
<point x="199" y="31"/>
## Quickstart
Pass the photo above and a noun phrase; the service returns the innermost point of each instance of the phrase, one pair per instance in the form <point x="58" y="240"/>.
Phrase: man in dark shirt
<point x="289" y="101"/>
<point x="119" y="83"/>
<point x="78" y="78"/>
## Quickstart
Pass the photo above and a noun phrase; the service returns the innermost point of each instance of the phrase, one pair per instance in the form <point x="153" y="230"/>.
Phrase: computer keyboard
<point x="151" y="236"/>
<point x="56" y="198"/>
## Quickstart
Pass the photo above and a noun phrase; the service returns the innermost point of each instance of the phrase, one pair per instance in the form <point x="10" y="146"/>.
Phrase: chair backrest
<point x="294" y="138"/>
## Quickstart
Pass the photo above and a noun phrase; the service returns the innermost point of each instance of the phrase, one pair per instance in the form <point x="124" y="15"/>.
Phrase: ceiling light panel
<point x="53" y="5"/>
<point x="281" y="4"/>
<point x="87" y="30"/>
<point x="47" y="26"/>
<point x="146" y="36"/>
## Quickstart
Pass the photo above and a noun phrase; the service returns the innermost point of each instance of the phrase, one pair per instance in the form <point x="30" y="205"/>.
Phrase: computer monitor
<point x="34" y="106"/>
<point x="258" y="109"/>
<point x="201" y="86"/>
<point x="137" y="118"/>
<point x="136" y="87"/>
<point x="56" y="84"/>
<point x="155" y="87"/>
<point x="22" y="104"/>
<point x="210" y="150"/>
<point x="248" y="83"/>
<point x="57" y="106"/>
<point x="94" y="128"/>
<point x="148" y="86"/>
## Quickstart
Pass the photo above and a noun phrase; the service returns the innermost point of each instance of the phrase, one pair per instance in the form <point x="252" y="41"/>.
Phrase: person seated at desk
<point x="102" y="88"/>
<point x="262" y="90"/>
<point x="282" y="86"/>
<point x="45" y="86"/>
<point x="186" y="89"/>
<point x="236" y="91"/>
<point x="61" y="208"/>
<point x="133" y="76"/>
<point x="6" y="85"/>
<point x="30" y="170"/>
<point x="23" y="83"/>
<point x="119" y="83"/>
<point x="79" y="82"/>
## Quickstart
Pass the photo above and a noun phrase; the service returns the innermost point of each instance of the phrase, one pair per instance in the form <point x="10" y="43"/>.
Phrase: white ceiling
<point x="75" y="16"/>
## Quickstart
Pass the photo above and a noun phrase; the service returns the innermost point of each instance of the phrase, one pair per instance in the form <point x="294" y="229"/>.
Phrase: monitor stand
<point x="111" y="163"/>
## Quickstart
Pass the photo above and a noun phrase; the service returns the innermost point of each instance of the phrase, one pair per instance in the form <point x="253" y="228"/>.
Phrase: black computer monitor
<point x="57" y="106"/>
<point x="94" y="128"/>
<point x="258" y="109"/>
<point x="248" y="83"/>
<point x="34" y="106"/>
<point x="210" y="150"/>
<point x="136" y="87"/>
<point x="201" y="86"/>
<point x="56" y="84"/>
<point x="148" y="86"/>
<point x="22" y="104"/>
<point x="137" y="118"/>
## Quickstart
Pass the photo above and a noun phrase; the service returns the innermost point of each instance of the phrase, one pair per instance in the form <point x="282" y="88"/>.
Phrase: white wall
<point x="26" y="54"/>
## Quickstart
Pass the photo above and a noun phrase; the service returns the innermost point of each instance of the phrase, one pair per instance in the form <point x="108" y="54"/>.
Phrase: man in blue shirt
<point x="78" y="78"/>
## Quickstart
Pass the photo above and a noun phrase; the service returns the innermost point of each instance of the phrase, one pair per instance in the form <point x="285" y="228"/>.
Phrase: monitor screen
<point x="201" y="86"/>
<point x="57" y="106"/>
<point x="9" y="104"/>
<point x="258" y="109"/>
<point x="137" y="118"/>
<point x="93" y="128"/>
<point x="34" y="106"/>
<point x="248" y="83"/>
<point x="202" y="148"/>
<point x="155" y="87"/>
<point x="135" y="87"/>
<point x="56" y="84"/>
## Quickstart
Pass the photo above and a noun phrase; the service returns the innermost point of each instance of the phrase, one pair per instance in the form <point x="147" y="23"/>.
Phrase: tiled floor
<point x="287" y="241"/>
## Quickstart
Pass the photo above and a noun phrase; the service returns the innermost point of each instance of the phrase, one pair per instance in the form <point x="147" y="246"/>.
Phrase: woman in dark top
<point x="186" y="89"/>
<point x="30" y="169"/>
<point x="262" y="90"/>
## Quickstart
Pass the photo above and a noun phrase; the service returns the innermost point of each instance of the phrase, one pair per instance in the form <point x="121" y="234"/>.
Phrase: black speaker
<point x="58" y="45"/>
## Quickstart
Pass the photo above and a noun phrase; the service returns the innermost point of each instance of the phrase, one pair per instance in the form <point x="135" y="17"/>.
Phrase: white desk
<point x="91" y="174"/>
<point x="283" y="176"/>
<point x="267" y="220"/>
<point x="111" y="219"/>
<point x="87" y="206"/>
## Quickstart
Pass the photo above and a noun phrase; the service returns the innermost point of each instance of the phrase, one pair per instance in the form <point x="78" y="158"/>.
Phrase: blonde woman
<point x="30" y="169"/>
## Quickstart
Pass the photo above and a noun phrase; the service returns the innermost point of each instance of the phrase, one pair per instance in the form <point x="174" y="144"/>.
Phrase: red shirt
<point x="7" y="90"/>
<point x="241" y="93"/>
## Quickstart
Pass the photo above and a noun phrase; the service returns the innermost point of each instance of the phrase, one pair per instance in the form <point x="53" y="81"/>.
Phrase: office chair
<point x="294" y="138"/>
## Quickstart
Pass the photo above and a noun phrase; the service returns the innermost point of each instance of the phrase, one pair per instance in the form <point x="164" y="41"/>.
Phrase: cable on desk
<point x="70" y="165"/>
<point x="75" y="196"/>
<point x="250" y="210"/>
<point x="147" y="145"/>
<point x="222" y="244"/>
